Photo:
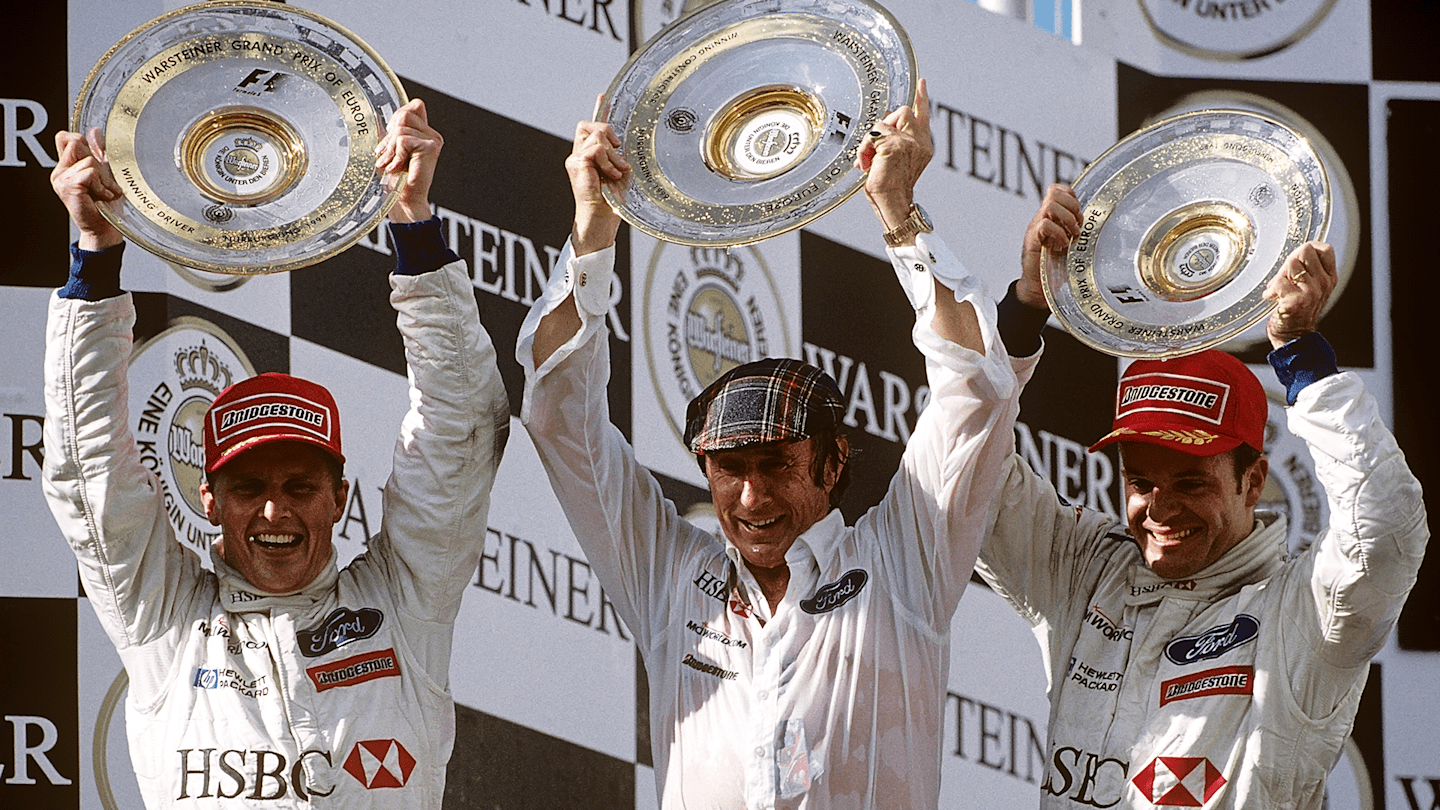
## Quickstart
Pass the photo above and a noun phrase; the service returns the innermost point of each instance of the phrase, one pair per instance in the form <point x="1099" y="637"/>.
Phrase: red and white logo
<point x="1195" y="397"/>
<point x="380" y="764"/>
<point x="355" y="669"/>
<point x="1222" y="681"/>
<point x="1179" y="781"/>
<point x="271" y="412"/>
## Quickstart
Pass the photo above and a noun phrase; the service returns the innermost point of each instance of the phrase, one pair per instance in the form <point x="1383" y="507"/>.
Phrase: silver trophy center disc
<point x="243" y="135"/>
<point x="1343" y="231"/>
<point x="741" y="120"/>
<point x="1182" y="226"/>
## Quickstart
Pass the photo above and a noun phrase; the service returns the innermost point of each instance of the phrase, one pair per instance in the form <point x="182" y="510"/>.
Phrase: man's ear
<point x="209" y="502"/>
<point x="342" y="499"/>
<point x="1256" y="476"/>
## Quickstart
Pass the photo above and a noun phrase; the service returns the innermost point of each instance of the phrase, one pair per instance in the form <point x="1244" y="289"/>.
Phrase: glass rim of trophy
<point x="1183" y="222"/>
<point x="242" y="134"/>
<point x="1182" y="225"/>
<point x="742" y="122"/>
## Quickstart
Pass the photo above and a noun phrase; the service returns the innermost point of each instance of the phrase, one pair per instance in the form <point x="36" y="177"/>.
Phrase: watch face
<point x="924" y="217"/>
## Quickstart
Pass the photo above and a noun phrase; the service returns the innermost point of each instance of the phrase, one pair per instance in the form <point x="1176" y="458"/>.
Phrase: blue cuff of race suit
<point x="94" y="274"/>
<point x="1019" y="324"/>
<point x="419" y="247"/>
<point x="1303" y="361"/>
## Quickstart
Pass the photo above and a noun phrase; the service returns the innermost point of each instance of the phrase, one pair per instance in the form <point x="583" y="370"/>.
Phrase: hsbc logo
<point x="257" y="775"/>
<point x="1085" y="778"/>
<point x="1179" y="781"/>
<point x="380" y="764"/>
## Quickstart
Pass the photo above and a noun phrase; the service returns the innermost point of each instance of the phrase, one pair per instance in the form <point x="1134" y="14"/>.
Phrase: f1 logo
<point x="269" y="78"/>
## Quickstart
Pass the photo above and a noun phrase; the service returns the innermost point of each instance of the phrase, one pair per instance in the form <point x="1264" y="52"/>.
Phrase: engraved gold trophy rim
<point x="721" y="192"/>
<point x="1344" y="225"/>
<point x="1239" y="243"/>
<point x="351" y="213"/>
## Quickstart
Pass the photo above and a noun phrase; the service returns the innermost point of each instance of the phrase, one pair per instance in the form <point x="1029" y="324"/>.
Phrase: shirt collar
<point x="804" y="557"/>
<point x="815" y="543"/>
<point x="237" y="595"/>
<point x="1253" y="559"/>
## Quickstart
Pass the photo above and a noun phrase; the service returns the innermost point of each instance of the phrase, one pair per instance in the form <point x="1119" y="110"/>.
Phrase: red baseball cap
<point x="270" y="407"/>
<point x="1203" y="404"/>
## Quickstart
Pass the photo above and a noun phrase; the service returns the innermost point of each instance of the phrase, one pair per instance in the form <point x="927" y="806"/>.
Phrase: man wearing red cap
<point x="1192" y="662"/>
<point x="793" y="661"/>
<point x="279" y="680"/>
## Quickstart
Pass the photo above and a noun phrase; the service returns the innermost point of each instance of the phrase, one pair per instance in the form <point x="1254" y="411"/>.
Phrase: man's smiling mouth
<point x="764" y="524"/>
<point x="1173" y="536"/>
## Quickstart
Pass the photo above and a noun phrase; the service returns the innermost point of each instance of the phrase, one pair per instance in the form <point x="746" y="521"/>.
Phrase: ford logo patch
<point x="837" y="593"/>
<point x="339" y="628"/>
<point x="1214" y="642"/>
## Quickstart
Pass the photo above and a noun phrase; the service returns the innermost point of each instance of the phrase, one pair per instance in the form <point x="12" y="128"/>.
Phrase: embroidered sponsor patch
<point x="271" y="410"/>
<point x="1091" y="678"/>
<point x="708" y="668"/>
<point x="832" y="596"/>
<point x="341" y="627"/>
<point x="702" y="631"/>
<point x="1179" y="781"/>
<point x="380" y="764"/>
<point x="1198" y="398"/>
<point x="1214" y="642"/>
<point x="711" y="585"/>
<point x="1108" y="627"/>
<point x="226" y="678"/>
<point x="355" y="669"/>
<point x="1221" y="681"/>
<point x="1169" y="584"/>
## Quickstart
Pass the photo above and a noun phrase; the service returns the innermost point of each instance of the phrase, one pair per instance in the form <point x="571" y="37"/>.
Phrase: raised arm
<point x="1036" y="547"/>
<point x="1367" y="560"/>
<point x="933" y="517"/>
<point x="894" y="155"/>
<point x="630" y="533"/>
<point x="594" y="161"/>
<point x="108" y="505"/>
<point x="438" y="496"/>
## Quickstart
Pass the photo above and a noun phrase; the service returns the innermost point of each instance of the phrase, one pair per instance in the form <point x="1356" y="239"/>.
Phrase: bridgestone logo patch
<point x="355" y="669"/>
<point x="1201" y="399"/>
<point x="269" y="411"/>
<point x="280" y="410"/>
<point x="708" y="668"/>
<point x="1220" y="681"/>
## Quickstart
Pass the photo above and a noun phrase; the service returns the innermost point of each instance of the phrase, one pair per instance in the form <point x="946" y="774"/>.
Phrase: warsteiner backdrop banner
<point x="551" y="695"/>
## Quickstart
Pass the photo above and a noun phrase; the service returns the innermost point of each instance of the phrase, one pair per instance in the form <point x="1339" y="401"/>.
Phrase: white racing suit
<point x="835" y="700"/>
<point x="1232" y="689"/>
<point x="335" y="696"/>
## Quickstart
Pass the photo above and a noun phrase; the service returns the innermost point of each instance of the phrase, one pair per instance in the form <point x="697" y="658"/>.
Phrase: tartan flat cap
<point x="770" y="400"/>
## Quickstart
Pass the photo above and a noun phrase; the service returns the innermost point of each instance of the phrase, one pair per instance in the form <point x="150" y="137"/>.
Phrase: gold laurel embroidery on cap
<point x="1183" y="436"/>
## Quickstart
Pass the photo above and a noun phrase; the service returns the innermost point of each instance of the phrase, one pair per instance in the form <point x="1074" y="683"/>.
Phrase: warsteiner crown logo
<point x="199" y="368"/>
<point x="707" y="310"/>
<point x="173" y="379"/>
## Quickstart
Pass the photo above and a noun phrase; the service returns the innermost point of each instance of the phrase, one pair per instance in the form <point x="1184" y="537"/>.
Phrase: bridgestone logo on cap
<point x="271" y="411"/>
<point x="1192" y="396"/>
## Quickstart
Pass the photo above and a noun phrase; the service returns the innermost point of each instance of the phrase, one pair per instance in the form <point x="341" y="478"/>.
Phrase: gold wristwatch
<point x="917" y="222"/>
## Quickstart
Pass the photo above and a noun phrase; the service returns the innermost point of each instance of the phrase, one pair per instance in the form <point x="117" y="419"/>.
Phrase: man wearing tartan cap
<point x="1194" y="659"/>
<point x="794" y="661"/>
